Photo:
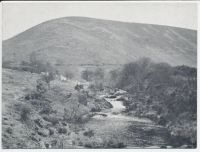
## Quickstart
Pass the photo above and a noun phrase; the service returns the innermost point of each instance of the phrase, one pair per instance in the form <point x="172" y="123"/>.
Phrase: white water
<point x="118" y="106"/>
<point x="115" y="113"/>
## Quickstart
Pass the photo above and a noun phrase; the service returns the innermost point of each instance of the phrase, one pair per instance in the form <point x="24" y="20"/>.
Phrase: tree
<point x="69" y="74"/>
<point x="99" y="74"/>
<point x="87" y="75"/>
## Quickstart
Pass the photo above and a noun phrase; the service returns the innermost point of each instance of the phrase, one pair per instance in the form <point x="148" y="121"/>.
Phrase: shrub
<point x="82" y="97"/>
<point x="74" y="111"/>
<point x="89" y="133"/>
<point x="24" y="111"/>
<point x="78" y="87"/>
<point x="41" y="87"/>
<point x="62" y="130"/>
<point x="87" y="75"/>
<point x="68" y="74"/>
<point x="35" y="65"/>
<point x="96" y="86"/>
<point x="99" y="74"/>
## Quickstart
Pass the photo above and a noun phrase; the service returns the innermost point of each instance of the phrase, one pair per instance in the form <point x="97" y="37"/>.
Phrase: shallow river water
<point x="133" y="131"/>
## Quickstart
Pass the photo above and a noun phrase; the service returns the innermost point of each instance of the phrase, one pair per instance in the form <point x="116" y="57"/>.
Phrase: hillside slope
<point x="81" y="40"/>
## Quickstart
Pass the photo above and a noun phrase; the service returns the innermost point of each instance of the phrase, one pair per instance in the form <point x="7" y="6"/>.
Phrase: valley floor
<point x="109" y="128"/>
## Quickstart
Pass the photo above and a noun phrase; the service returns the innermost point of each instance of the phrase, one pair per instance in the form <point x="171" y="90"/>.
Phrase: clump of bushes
<point x="36" y="65"/>
<point x="76" y="109"/>
<point x="41" y="89"/>
<point x="93" y="75"/>
<point x="163" y="93"/>
<point x="42" y="86"/>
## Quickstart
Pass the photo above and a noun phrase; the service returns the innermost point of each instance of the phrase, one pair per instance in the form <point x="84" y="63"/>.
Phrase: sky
<point x="18" y="17"/>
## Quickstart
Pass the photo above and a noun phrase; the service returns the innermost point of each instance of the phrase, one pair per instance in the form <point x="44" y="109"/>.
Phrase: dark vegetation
<point x="106" y="143"/>
<point x="93" y="75"/>
<point x="33" y="65"/>
<point x="68" y="74"/>
<point x="165" y="94"/>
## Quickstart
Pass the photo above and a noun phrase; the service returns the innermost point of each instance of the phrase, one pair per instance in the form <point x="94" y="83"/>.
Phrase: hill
<point x="87" y="41"/>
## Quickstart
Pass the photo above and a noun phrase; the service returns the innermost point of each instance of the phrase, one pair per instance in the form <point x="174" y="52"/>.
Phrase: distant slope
<point x="81" y="40"/>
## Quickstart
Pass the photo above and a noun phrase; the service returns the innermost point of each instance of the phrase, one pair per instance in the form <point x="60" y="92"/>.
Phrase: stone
<point x="169" y="147"/>
<point x="43" y="132"/>
<point x="51" y="131"/>
<point x="184" y="146"/>
<point x="62" y="130"/>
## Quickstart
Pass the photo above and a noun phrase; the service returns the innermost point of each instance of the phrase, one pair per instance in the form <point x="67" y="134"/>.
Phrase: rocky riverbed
<point x="115" y="126"/>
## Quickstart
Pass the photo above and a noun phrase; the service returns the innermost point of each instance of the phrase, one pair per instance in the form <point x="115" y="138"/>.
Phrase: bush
<point x="96" y="86"/>
<point x="78" y="87"/>
<point x="41" y="87"/>
<point x="87" y="75"/>
<point x="24" y="111"/>
<point x="99" y="74"/>
<point x="68" y="74"/>
<point x="89" y="133"/>
<point x="35" y="65"/>
<point x="82" y="98"/>
<point x="74" y="111"/>
<point x="62" y="130"/>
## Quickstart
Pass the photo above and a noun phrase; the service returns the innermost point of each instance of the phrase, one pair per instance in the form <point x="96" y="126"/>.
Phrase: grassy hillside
<point x="88" y="41"/>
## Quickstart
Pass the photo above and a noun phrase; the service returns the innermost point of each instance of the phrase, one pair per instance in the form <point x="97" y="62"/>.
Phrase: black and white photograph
<point x="99" y="75"/>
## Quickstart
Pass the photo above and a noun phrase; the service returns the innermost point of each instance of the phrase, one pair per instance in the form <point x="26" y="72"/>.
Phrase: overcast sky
<point x="18" y="17"/>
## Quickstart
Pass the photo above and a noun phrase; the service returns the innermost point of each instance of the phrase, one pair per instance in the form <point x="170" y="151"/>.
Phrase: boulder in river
<point x="112" y="96"/>
<point x="120" y="92"/>
<point x="121" y="98"/>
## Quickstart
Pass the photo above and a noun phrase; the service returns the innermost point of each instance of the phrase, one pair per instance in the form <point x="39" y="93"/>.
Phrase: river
<point x="113" y="124"/>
